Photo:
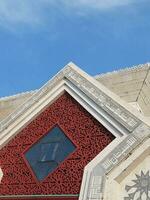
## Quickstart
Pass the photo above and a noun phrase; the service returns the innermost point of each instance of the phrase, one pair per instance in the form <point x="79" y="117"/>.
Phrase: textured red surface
<point x="46" y="198"/>
<point x="88" y="135"/>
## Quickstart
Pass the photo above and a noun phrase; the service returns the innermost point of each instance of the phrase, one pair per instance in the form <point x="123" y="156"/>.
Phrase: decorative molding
<point x="22" y="94"/>
<point x="117" y="155"/>
<point x="142" y="132"/>
<point x="78" y="125"/>
<point x="139" y="67"/>
<point x="29" y="103"/>
<point x="138" y="130"/>
<point x="105" y="102"/>
<point x="96" y="188"/>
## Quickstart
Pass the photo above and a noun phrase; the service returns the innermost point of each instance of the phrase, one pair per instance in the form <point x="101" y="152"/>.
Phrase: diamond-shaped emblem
<point x="45" y="155"/>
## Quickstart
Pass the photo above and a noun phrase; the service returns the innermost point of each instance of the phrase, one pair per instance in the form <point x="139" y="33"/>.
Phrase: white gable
<point x="122" y="120"/>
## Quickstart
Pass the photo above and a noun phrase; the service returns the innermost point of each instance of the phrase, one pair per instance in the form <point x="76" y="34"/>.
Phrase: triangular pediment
<point x="128" y="126"/>
<point x="74" y="80"/>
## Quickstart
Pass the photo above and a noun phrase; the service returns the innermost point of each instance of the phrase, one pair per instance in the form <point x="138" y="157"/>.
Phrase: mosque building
<point x="78" y="137"/>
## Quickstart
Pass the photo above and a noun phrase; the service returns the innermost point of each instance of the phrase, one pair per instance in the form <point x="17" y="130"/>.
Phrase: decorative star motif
<point x="140" y="190"/>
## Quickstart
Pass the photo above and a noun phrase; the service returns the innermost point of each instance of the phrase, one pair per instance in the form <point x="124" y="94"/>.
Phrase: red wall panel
<point x="87" y="133"/>
<point x="45" y="198"/>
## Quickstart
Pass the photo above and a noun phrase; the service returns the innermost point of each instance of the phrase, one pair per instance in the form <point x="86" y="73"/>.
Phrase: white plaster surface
<point x="131" y="84"/>
<point x="124" y="173"/>
<point x="106" y="106"/>
<point x="10" y="104"/>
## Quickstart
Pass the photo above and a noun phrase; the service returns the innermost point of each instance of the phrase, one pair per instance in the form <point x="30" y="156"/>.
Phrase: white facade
<point x="117" y="101"/>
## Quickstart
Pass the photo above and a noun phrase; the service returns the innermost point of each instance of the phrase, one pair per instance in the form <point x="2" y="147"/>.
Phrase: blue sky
<point x="39" y="37"/>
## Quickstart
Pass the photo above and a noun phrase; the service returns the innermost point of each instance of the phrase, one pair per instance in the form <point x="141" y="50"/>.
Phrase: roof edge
<point x="126" y="69"/>
<point x="6" y="98"/>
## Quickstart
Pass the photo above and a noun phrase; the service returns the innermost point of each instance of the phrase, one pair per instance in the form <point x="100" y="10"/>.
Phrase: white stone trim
<point x="125" y="69"/>
<point x="103" y="164"/>
<point x="145" y="146"/>
<point x="126" y="168"/>
<point x="88" y="86"/>
<point x="105" y="106"/>
<point x="21" y="122"/>
<point x="116" y="129"/>
<point x="7" y="98"/>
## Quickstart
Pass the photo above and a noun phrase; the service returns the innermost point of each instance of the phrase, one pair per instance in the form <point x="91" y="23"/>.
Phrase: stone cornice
<point x="100" y="97"/>
<point x="22" y="94"/>
<point x="95" y="182"/>
<point x="139" y="67"/>
<point x="137" y="130"/>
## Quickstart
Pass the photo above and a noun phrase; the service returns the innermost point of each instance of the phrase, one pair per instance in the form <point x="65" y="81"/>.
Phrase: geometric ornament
<point x="46" y="155"/>
<point x="140" y="190"/>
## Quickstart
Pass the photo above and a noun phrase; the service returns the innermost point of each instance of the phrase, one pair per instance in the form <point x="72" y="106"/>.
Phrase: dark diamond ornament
<point x="46" y="155"/>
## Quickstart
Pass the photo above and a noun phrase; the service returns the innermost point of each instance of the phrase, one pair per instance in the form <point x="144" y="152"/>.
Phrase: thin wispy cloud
<point x="32" y="12"/>
<point x="97" y="4"/>
<point x="19" y="12"/>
